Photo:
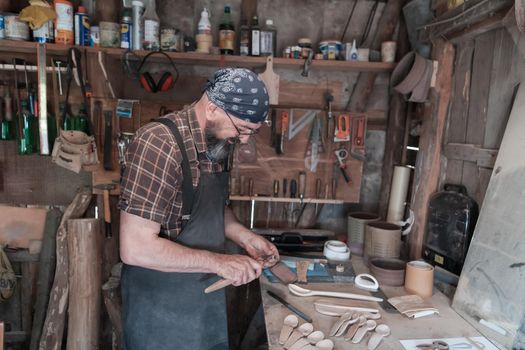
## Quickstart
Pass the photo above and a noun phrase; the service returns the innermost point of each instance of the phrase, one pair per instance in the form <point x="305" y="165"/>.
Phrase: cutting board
<point x="20" y="226"/>
<point x="271" y="80"/>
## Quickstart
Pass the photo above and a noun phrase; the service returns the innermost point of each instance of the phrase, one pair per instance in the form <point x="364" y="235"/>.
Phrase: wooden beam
<point x="483" y="157"/>
<point x="469" y="33"/>
<point x="385" y="31"/>
<point x="464" y="16"/>
<point x="429" y="156"/>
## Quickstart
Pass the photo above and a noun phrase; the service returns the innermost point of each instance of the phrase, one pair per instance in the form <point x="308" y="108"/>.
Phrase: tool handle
<point x="284" y="123"/>
<point x="107" y="209"/>
<point x="345" y="174"/>
<point x="250" y="187"/>
<point x="293" y="188"/>
<point x="285" y="187"/>
<point x="108" y="138"/>
<point x="242" y="191"/>
<point x="275" y="188"/>
<point x="318" y="188"/>
<point x="302" y="184"/>
<point x="217" y="285"/>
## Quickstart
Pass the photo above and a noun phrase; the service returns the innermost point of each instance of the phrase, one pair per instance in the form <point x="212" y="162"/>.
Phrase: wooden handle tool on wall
<point x="107" y="206"/>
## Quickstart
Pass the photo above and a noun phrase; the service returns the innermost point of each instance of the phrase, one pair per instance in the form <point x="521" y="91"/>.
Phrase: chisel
<point x="293" y="194"/>
<point x="108" y="140"/>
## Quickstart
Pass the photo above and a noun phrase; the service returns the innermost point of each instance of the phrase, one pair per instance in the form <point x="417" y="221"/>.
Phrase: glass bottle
<point x="226" y="33"/>
<point x="69" y="121"/>
<point x="244" y="38"/>
<point x="82" y="120"/>
<point x="268" y="39"/>
<point x="151" y="28"/>
<point x="27" y="123"/>
<point x="255" y="37"/>
<point x="6" y="126"/>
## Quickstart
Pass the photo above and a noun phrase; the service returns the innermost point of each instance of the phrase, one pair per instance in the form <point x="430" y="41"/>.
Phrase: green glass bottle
<point x="82" y="119"/>
<point x="69" y="121"/>
<point x="26" y="131"/>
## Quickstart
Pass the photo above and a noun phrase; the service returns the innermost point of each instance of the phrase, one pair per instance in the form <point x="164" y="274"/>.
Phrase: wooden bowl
<point x="389" y="272"/>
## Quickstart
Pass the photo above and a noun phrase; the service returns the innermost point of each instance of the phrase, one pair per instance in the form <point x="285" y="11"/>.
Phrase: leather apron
<point x="169" y="310"/>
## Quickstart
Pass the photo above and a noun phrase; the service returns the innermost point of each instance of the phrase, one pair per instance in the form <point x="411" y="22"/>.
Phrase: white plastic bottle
<point x="353" y="52"/>
<point x="151" y="28"/>
<point x="204" y="38"/>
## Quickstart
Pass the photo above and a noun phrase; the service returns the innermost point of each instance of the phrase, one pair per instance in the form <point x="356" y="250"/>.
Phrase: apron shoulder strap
<point x="187" y="182"/>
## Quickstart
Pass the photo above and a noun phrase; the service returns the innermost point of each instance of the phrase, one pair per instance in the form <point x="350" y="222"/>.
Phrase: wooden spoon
<point x="325" y="344"/>
<point x="303" y="292"/>
<point x="303" y="331"/>
<point x="289" y="323"/>
<point x="315" y="337"/>
<point x="351" y="331"/>
<point x="382" y="331"/>
<point x="344" y="317"/>
<point x="361" y="332"/>
<point x="345" y="325"/>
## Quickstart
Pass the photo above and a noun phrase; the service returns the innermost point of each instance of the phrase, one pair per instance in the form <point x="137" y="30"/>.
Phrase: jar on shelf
<point x="306" y="46"/>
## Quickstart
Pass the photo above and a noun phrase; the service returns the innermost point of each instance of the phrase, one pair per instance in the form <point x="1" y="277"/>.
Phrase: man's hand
<point x="239" y="269"/>
<point x="260" y="249"/>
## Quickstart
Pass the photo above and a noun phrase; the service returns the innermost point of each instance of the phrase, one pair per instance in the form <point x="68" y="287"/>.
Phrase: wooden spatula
<point x="271" y="80"/>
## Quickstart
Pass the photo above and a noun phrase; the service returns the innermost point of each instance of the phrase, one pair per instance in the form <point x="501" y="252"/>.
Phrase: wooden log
<point x="385" y="31"/>
<point x="429" y="156"/>
<point x="45" y="275"/>
<point x="112" y="301"/>
<point x="85" y="255"/>
<point x="27" y="294"/>
<point x="54" y="324"/>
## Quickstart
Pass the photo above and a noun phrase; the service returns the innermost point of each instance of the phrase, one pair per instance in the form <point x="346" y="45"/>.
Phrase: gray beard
<point x="218" y="150"/>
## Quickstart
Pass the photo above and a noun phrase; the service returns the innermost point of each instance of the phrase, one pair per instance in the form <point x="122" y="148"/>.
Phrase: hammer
<point x="107" y="210"/>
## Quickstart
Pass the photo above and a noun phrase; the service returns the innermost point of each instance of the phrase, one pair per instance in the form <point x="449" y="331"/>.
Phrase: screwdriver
<point x="285" y="206"/>
<point x="293" y="193"/>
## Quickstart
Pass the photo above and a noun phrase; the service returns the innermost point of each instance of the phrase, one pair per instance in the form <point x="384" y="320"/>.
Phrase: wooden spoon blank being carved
<point x="289" y="323"/>
<point x="302" y="331"/>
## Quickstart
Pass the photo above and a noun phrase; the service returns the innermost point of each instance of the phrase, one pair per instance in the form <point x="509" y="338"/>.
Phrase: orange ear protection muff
<point x="166" y="81"/>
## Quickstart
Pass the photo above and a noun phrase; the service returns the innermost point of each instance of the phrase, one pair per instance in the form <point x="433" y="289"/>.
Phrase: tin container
<point x="15" y="29"/>
<point x="330" y="49"/>
<point x="44" y="34"/>
<point x="168" y="39"/>
<point x="109" y="34"/>
<point x="82" y="27"/>
<point x="126" y="28"/>
<point x="2" y="26"/>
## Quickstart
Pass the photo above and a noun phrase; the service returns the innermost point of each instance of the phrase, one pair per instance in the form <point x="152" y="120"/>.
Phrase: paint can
<point x="44" y="34"/>
<point x="2" y="26"/>
<point x="15" y="29"/>
<point x="109" y="34"/>
<point x="330" y="49"/>
<point x="64" y="22"/>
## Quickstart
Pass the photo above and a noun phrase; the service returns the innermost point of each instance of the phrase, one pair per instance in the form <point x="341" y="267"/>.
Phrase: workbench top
<point x="447" y="324"/>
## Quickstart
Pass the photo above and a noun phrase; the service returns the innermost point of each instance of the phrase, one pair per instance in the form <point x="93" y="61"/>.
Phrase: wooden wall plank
<point x="429" y="155"/>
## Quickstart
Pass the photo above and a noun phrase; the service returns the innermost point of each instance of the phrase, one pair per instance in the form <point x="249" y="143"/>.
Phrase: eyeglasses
<point x="250" y="132"/>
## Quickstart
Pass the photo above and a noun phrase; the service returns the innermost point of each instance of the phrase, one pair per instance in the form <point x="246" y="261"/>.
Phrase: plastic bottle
<point x="204" y="38"/>
<point x="268" y="39"/>
<point x="226" y="33"/>
<point x="353" y="51"/>
<point x="82" y="27"/>
<point x="64" y="22"/>
<point x="151" y="28"/>
<point x="255" y="37"/>
<point x="138" y="29"/>
<point x="244" y="38"/>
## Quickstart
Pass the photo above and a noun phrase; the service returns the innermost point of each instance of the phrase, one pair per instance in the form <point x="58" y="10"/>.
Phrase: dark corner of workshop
<point x="262" y="175"/>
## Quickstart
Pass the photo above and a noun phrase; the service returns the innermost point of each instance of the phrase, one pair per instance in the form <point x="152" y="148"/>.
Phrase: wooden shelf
<point x="286" y="200"/>
<point x="193" y="58"/>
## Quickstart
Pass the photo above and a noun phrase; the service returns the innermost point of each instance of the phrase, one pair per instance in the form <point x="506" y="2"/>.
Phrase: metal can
<point x="15" y="29"/>
<point x="64" y="23"/>
<point x="126" y="28"/>
<point x="168" y="39"/>
<point x="2" y="26"/>
<point x="44" y="34"/>
<point x="82" y="27"/>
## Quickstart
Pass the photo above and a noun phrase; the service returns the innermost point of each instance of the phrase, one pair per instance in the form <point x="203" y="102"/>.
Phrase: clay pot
<point x="389" y="272"/>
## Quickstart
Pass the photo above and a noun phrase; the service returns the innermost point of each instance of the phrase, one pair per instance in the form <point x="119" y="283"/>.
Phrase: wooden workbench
<point x="447" y="325"/>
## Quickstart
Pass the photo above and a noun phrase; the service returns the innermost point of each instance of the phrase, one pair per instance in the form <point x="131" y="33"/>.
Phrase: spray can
<point x="82" y="27"/>
<point x="44" y="34"/>
<point x="137" y="29"/>
<point x="126" y="28"/>
<point x="2" y="26"/>
<point x="64" y="22"/>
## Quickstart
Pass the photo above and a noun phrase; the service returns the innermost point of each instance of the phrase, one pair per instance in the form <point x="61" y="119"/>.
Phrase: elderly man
<point x="174" y="219"/>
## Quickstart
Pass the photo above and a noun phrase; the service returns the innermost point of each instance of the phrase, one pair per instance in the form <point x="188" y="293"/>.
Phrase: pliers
<point x="436" y="345"/>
